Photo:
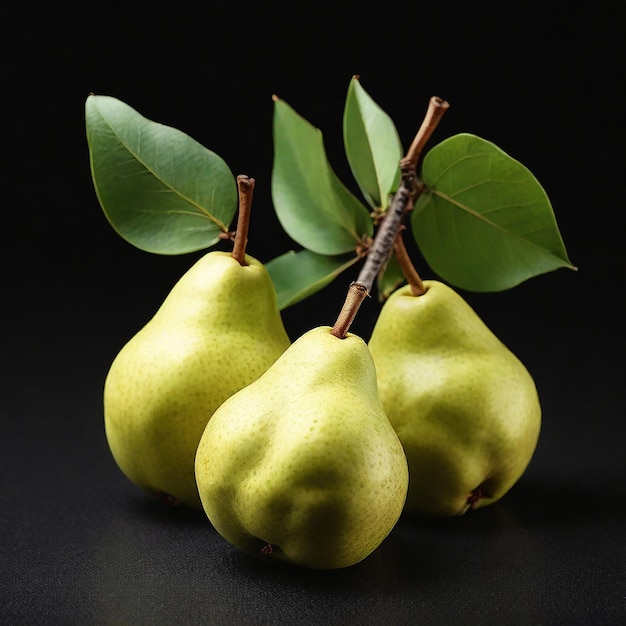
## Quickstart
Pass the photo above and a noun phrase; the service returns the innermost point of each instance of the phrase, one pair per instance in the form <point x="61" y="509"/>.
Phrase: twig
<point x="436" y="109"/>
<point x="402" y="202"/>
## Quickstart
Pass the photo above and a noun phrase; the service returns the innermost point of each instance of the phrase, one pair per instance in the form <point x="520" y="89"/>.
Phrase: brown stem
<point x="356" y="294"/>
<point x="402" y="202"/>
<point x="407" y="267"/>
<point x="436" y="108"/>
<point x="383" y="242"/>
<point x="377" y="255"/>
<point x="246" y="189"/>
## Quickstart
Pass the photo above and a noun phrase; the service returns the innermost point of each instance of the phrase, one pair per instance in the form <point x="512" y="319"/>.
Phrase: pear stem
<point x="245" y="185"/>
<point x="406" y="265"/>
<point x="409" y="189"/>
<point x="355" y="296"/>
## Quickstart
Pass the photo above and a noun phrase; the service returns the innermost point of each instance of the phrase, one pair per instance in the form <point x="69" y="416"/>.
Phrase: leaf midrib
<point x="203" y="213"/>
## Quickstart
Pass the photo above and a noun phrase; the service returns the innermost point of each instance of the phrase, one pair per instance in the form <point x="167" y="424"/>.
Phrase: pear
<point x="303" y="465"/>
<point x="464" y="407"/>
<point x="217" y="331"/>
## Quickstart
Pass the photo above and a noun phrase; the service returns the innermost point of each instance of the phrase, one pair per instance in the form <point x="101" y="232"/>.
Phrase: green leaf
<point x="160" y="189"/>
<point x="373" y="146"/>
<point x="298" y="275"/>
<point x="484" y="223"/>
<point x="311" y="203"/>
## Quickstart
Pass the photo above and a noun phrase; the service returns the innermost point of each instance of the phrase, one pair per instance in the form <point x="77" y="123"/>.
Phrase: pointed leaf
<point x="298" y="275"/>
<point x="311" y="203"/>
<point x="484" y="222"/>
<point x="372" y="146"/>
<point x="160" y="189"/>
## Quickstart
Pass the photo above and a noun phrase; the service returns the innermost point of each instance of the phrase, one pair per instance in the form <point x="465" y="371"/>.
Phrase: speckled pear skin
<point x="464" y="407"/>
<point x="217" y="331"/>
<point x="302" y="465"/>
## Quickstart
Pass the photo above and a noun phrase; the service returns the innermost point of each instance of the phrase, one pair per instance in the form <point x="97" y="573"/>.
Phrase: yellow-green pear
<point x="217" y="331"/>
<point x="303" y="465"/>
<point x="464" y="407"/>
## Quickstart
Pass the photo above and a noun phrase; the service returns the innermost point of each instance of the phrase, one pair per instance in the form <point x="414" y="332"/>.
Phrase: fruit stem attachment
<point x="245" y="185"/>
<point x="409" y="189"/>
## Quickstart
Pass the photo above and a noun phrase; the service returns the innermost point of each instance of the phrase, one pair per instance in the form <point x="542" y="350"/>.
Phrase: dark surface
<point x="81" y="545"/>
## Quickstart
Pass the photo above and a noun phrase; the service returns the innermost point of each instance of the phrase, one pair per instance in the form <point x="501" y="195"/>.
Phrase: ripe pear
<point x="217" y="331"/>
<point x="464" y="407"/>
<point x="303" y="465"/>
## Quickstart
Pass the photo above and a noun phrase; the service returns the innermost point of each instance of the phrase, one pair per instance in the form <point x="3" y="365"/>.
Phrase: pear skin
<point x="302" y="465"/>
<point x="217" y="331"/>
<point x="464" y="407"/>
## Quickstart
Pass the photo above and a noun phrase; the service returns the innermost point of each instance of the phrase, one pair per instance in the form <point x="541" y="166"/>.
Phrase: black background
<point x="544" y="81"/>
